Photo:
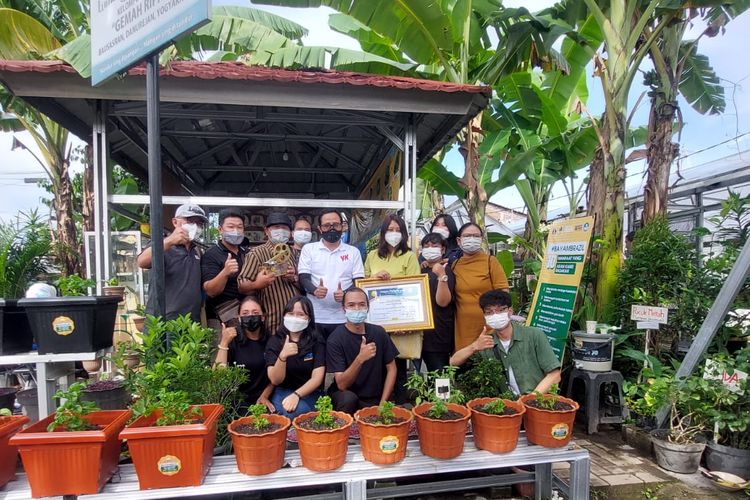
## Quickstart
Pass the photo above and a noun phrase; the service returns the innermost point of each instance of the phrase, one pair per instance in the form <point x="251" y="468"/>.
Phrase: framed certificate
<point x="401" y="304"/>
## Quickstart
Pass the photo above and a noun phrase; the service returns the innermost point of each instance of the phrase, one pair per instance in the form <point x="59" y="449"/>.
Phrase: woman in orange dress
<point x="476" y="272"/>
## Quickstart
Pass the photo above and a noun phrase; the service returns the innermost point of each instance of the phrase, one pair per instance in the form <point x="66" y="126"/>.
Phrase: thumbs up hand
<point x="338" y="295"/>
<point x="484" y="341"/>
<point x="321" y="291"/>
<point x="231" y="266"/>
<point x="367" y="350"/>
<point x="290" y="349"/>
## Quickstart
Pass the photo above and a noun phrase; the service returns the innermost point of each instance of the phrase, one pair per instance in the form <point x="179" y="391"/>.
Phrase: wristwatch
<point x="443" y="278"/>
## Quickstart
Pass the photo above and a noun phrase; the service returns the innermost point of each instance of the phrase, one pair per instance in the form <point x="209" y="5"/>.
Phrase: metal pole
<point x="714" y="319"/>
<point x="413" y="166"/>
<point x="98" y="200"/>
<point x="154" y="184"/>
<point x="105" y="179"/>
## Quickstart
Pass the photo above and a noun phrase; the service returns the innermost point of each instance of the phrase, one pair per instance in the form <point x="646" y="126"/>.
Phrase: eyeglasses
<point x="327" y="227"/>
<point x="496" y="309"/>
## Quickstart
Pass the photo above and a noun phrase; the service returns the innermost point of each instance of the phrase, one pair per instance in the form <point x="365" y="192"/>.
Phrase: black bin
<point x="72" y="324"/>
<point x="15" y="332"/>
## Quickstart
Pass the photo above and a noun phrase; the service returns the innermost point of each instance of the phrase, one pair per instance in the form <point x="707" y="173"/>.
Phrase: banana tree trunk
<point x="661" y="153"/>
<point x="67" y="242"/>
<point x="476" y="196"/>
<point x="438" y="202"/>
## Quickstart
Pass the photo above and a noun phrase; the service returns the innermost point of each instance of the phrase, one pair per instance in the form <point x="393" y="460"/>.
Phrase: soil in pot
<point x="383" y="443"/>
<point x="549" y="428"/>
<point x="259" y="452"/>
<point x="727" y="459"/>
<point x="322" y="449"/>
<point x="682" y="458"/>
<point x="311" y="425"/>
<point x="9" y="454"/>
<point x="441" y="438"/>
<point x="497" y="433"/>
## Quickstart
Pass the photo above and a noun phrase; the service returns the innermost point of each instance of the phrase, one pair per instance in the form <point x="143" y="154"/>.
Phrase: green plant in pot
<point x="75" y="450"/>
<point x="679" y="447"/>
<point x="323" y="436"/>
<point x="171" y="441"/>
<point x="259" y="441"/>
<point x="484" y="378"/>
<point x="441" y="421"/>
<point x="496" y="423"/>
<point x="549" y="418"/>
<point x="383" y="432"/>
<point x="112" y="287"/>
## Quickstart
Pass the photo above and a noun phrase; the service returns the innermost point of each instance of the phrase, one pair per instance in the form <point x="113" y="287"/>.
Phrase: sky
<point x="704" y="138"/>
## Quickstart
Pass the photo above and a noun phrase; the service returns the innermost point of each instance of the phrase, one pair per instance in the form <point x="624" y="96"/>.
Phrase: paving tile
<point x="596" y="481"/>
<point x="620" y="479"/>
<point x="647" y="477"/>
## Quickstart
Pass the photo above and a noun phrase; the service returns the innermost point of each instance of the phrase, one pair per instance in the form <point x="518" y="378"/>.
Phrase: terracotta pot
<point x="114" y="291"/>
<point x="259" y="454"/>
<point x="552" y="429"/>
<point x="383" y="444"/>
<point x="93" y="365"/>
<point x="131" y="360"/>
<point x="326" y="449"/>
<point x="71" y="463"/>
<point x="175" y="455"/>
<point x="8" y="453"/>
<point x="441" y="438"/>
<point x="139" y="322"/>
<point x="496" y="433"/>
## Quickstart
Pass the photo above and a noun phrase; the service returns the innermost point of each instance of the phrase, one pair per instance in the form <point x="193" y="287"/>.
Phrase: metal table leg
<point x="543" y="481"/>
<point x="47" y="375"/>
<point x="579" y="479"/>
<point x="355" y="489"/>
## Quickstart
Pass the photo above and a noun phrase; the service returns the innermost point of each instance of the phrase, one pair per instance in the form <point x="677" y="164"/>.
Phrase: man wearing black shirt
<point x="361" y="357"/>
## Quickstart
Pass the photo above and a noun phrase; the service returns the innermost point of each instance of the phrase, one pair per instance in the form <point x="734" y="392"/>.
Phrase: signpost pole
<point x="154" y="184"/>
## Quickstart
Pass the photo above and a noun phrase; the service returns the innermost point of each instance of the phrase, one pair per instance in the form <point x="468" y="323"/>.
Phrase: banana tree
<point x="680" y="69"/>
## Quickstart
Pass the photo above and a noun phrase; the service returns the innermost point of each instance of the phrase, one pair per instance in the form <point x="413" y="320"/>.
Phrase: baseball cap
<point x="278" y="218"/>
<point x="187" y="210"/>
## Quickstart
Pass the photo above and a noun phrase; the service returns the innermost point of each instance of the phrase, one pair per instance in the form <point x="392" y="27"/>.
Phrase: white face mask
<point x="295" y="324"/>
<point x="497" y="321"/>
<point x="431" y="254"/>
<point x="393" y="238"/>
<point x="442" y="231"/>
<point x="471" y="244"/>
<point x="193" y="230"/>
<point x="302" y="237"/>
<point x="280" y="235"/>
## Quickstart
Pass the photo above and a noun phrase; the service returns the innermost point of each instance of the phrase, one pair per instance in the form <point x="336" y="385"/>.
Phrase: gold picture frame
<point x="400" y="304"/>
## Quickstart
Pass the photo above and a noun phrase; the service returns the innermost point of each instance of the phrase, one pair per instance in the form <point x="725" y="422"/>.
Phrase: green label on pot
<point x="169" y="465"/>
<point x="560" y="431"/>
<point x="389" y="444"/>
<point x="63" y="325"/>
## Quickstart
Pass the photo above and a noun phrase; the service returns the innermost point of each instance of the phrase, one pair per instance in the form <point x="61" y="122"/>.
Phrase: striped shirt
<point x="275" y="296"/>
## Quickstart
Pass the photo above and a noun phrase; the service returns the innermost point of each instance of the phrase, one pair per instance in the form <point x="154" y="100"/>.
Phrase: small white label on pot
<point x="443" y="388"/>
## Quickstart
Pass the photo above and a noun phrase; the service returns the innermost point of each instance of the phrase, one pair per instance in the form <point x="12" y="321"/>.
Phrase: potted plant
<point x="323" y="436"/>
<point x="383" y="432"/>
<point x="259" y="441"/>
<point x="9" y="425"/>
<point x="74" y="322"/>
<point x="496" y="423"/>
<point x="108" y="394"/>
<point x="483" y="378"/>
<point x="441" y="423"/>
<point x="679" y="447"/>
<point x="113" y="288"/>
<point x="549" y="418"/>
<point x="75" y="450"/>
<point x="139" y="317"/>
<point x="171" y="441"/>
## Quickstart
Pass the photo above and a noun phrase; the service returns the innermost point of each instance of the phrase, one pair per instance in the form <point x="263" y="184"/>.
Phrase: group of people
<point x="297" y="322"/>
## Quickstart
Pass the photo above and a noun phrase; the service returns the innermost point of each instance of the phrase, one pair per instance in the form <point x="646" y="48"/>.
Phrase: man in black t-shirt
<point x="361" y="357"/>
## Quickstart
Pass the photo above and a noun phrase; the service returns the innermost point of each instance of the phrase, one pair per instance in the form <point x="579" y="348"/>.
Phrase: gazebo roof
<point x="230" y="129"/>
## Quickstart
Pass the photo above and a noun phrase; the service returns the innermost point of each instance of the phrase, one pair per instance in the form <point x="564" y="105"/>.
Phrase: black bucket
<point x="72" y="324"/>
<point x="15" y="332"/>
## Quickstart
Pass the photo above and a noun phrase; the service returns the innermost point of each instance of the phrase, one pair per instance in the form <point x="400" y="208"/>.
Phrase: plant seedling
<point x="439" y="408"/>
<point x="69" y="416"/>
<point x="385" y="411"/>
<point x="259" y="421"/>
<point x="496" y="407"/>
<point x="547" y="401"/>
<point x="4" y="412"/>
<point x="113" y="282"/>
<point x="324" y="417"/>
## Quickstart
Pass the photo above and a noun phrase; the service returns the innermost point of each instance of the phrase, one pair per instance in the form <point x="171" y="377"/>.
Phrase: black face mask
<point x="251" y="323"/>
<point x="332" y="236"/>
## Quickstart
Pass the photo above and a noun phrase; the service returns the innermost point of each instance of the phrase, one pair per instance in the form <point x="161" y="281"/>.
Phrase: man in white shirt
<point x="327" y="268"/>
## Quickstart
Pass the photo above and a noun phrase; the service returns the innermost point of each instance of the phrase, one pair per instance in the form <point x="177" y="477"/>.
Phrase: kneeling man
<point x="530" y="363"/>
<point x="361" y="357"/>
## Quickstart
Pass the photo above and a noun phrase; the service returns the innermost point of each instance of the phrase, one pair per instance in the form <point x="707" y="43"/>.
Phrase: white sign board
<point x="123" y="32"/>
<point x="714" y="371"/>
<point x="649" y="313"/>
<point x="647" y="325"/>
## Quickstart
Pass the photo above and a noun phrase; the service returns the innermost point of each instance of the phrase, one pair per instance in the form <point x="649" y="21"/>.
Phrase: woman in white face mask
<point x="295" y="357"/>
<point x="476" y="272"/>
<point x="393" y="259"/>
<point x="445" y="226"/>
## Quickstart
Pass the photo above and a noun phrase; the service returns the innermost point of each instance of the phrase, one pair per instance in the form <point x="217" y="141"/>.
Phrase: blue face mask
<point x="356" y="316"/>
